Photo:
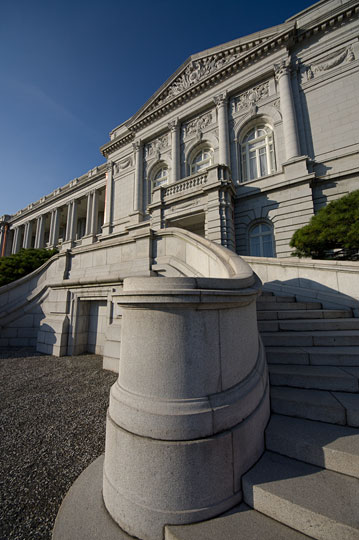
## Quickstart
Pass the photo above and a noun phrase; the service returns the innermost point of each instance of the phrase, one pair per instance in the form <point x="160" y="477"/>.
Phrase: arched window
<point x="261" y="241"/>
<point x="257" y="153"/>
<point x="158" y="177"/>
<point x="202" y="159"/>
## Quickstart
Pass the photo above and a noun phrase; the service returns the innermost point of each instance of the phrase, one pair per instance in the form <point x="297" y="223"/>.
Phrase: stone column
<point x="68" y="221"/>
<point x="137" y="195"/>
<point x="73" y="220"/>
<point x="187" y="414"/>
<point x="55" y="227"/>
<point x="88" y="214"/>
<point x="16" y="240"/>
<point x="39" y="238"/>
<point x="221" y="104"/>
<point x="106" y="228"/>
<point x="282" y="73"/>
<point x="174" y="126"/>
<point x="94" y="213"/>
<point x="27" y="235"/>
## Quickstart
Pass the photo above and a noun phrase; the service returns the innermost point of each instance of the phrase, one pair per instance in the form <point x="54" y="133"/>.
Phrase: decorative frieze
<point x="251" y="97"/>
<point x="196" y="126"/>
<point x="124" y="164"/>
<point x="344" y="56"/>
<point x="154" y="148"/>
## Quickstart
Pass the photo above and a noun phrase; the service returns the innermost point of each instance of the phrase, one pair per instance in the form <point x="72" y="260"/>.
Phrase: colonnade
<point x="44" y="230"/>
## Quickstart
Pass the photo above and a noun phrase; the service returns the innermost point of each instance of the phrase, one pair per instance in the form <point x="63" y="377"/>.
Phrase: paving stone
<point x="242" y="523"/>
<point x="320" y="503"/>
<point x="326" y="445"/>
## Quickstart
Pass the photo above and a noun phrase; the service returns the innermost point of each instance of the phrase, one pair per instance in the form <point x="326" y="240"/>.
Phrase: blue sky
<point x="72" y="70"/>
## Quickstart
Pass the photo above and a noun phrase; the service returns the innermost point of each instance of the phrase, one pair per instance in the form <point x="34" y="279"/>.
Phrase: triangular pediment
<point x="201" y="66"/>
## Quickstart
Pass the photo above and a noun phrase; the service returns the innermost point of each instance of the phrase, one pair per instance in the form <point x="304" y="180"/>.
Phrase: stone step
<point x="301" y="325"/>
<point x="320" y="356"/>
<point x="275" y="306"/>
<point x="270" y="298"/>
<point x="304" y="314"/>
<point x="318" y="405"/>
<point x="320" y="503"/>
<point x="326" y="445"/>
<point x="315" y="377"/>
<point x="351" y="404"/>
<point x="242" y="523"/>
<point x="318" y="338"/>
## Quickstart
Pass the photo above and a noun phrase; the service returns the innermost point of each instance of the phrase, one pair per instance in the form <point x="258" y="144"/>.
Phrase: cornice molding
<point x="58" y="193"/>
<point x="240" y="59"/>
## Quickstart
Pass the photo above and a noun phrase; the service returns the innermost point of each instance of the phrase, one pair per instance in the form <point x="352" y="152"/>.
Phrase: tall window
<point x="261" y="243"/>
<point x="202" y="159"/>
<point x="257" y="152"/>
<point x="158" y="178"/>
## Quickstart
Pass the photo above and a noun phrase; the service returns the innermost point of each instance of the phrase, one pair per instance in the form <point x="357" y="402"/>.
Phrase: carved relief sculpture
<point x="251" y="97"/>
<point x="196" y="126"/>
<point x="344" y="56"/>
<point x="155" y="147"/>
<point x="194" y="73"/>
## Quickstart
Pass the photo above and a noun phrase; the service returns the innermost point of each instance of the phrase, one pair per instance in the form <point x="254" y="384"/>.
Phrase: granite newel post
<point x="188" y="411"/>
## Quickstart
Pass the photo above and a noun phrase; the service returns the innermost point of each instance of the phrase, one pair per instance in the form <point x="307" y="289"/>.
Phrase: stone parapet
<point x="187" y="414"/>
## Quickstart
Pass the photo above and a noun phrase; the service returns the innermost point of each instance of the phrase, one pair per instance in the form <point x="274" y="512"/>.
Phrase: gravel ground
<point x="52" y="426"/>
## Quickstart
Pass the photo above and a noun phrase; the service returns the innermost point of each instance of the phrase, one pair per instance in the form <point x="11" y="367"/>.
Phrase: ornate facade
<point x="242" y="145"/>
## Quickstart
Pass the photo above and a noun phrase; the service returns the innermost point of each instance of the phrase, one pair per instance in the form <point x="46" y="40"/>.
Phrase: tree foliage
<point x="20" y="264"/>
<point x="332" y="233"/>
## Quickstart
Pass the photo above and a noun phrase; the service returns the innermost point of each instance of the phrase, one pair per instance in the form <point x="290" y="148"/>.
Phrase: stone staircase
<point x="306" y="485"/>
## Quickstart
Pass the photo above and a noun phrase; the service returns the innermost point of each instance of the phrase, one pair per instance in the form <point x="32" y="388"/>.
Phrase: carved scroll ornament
<point x="197" y="125"/>
<point x="251" y="97"/>
<point x="344" y="56"/>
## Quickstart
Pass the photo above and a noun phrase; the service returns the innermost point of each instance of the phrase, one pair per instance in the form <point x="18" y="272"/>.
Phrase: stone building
<point x="237" y="150"/>
<point x="242" y="145"/>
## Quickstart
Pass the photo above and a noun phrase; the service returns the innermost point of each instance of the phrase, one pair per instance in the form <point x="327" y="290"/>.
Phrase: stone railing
<point x="185" y="185"/>
<point x="333" y="283"/>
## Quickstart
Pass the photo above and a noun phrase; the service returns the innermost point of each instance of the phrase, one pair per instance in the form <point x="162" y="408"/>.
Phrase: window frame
<point x="154" y="179"/>
<point x="200" y="166"/>
<point x="254" y="156"/>
<point x="260" y="235"/>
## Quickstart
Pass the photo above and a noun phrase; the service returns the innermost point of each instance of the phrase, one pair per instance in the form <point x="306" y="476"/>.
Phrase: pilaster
<point x="282" y="74"/>
<point x="174" y="126"/>
<point x="107" y="225"/>
<point x="221" y="103"/>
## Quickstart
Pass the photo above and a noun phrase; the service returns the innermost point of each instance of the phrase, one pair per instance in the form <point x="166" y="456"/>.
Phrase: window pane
<point x="255" y="247"/>
<point x="252" y="167"/>
<point x="267" y="246"/>
<point x="263" y="162"/>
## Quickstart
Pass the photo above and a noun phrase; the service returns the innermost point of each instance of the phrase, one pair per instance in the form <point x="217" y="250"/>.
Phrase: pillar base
<point x="82" y="515"/>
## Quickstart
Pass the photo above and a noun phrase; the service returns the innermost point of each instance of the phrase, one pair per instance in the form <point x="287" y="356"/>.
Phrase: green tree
<point x="20" y="264"/>
<point x="335" y="227"/>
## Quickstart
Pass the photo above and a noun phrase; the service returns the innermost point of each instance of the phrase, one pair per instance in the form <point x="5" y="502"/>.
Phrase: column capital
<point x="109" y="166"/>
<point x="173" y="125"/>
<point x="220" y="99"/>
<point x="136" y="145"/>
<point x="282" y="68"/>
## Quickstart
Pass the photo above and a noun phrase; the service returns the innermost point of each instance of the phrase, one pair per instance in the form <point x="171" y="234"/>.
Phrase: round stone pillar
<point x="187" y="414"/>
